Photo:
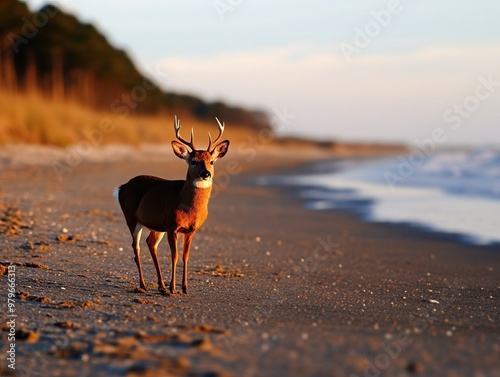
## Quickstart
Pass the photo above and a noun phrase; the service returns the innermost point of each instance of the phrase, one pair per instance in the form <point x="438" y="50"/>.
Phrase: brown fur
<point x="170" y="207"/>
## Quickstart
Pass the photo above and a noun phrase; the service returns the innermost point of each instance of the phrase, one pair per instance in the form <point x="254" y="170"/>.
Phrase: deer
<point x="171" y="206"/>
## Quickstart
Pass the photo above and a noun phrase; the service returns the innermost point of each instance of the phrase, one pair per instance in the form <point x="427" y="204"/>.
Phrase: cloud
<point x="386" y="88"/>
<point x="249" y="76"/>
<point x="302" y="69"/>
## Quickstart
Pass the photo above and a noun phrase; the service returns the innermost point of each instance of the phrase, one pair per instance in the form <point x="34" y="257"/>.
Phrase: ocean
<point x="454" y="191"/>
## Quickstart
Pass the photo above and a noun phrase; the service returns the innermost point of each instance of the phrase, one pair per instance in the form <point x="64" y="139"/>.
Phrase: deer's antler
<point x="177" y="127"/>
<point x="221" y="131"/>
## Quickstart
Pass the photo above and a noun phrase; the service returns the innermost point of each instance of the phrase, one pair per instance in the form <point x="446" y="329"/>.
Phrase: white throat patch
<point x="202" y="183"/>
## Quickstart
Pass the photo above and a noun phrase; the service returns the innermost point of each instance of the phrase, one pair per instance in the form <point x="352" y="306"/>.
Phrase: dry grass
<point x="26" y="119"/>
<point x="36" y="120"/>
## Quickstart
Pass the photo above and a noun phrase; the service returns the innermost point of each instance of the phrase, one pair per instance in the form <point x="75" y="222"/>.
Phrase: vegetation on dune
<point x="50" y="60"/>
<point x="35" y="119"/>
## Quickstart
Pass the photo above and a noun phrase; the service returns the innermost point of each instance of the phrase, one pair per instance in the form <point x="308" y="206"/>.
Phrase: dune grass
<point x="36" y="120"/>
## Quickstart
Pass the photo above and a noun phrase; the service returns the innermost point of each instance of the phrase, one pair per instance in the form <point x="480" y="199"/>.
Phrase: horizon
<point x="363" y="71"/>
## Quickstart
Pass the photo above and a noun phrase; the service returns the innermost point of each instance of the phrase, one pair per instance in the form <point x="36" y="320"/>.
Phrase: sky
<point x="378" y="71"/>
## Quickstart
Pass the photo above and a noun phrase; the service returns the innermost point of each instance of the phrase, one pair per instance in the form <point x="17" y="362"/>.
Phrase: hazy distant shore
<point x="246" y="148"/>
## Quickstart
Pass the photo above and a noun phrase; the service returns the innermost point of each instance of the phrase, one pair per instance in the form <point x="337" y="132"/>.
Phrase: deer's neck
<point x="196" y="197"/>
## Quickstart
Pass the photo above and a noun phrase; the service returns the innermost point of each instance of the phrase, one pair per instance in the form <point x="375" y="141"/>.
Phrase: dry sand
<point x="274" y="290"/>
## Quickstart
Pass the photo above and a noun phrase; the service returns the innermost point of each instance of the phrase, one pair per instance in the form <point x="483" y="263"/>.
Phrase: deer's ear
<point x="220" y="150"/>
<point x="180" y="150"/>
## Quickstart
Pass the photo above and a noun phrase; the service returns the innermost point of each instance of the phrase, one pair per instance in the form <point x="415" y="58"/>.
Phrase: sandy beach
<point x="274" y="289"/>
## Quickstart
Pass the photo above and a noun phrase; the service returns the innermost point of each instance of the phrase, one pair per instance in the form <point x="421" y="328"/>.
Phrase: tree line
<point x="51" y="53"/>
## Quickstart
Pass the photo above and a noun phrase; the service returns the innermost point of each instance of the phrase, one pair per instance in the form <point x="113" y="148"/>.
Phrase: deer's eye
<point x="211" y="162"/>
<point x="194" y="162"/>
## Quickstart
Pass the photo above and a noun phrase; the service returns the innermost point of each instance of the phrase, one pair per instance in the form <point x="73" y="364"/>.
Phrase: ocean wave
<point x="451" y="191"/>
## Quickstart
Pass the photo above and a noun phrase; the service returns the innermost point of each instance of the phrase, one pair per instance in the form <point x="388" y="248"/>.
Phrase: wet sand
<point x="274" y="289"/>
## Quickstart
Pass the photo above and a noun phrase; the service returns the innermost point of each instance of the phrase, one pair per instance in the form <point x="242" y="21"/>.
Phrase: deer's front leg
<point x="153" y="240"/>
<point x="185" y="258"/>
<point x="172" y="241"/>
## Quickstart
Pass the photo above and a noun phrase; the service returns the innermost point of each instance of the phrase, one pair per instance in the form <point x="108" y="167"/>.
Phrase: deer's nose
<point x="205" y="174"/>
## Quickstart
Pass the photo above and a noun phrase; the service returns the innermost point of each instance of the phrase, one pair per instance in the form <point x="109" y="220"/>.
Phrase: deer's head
<point x="200" y="162"/>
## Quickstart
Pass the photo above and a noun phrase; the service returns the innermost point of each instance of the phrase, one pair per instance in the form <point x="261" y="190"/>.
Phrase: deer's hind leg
<point x="136" y="231"/>
<point x="153" y="240"/>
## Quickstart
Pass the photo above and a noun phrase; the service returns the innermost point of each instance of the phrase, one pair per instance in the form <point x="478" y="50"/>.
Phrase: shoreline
<point x="422" y="231"/>
<point x="361" y="210"/>
<point x="274" y="289"/>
